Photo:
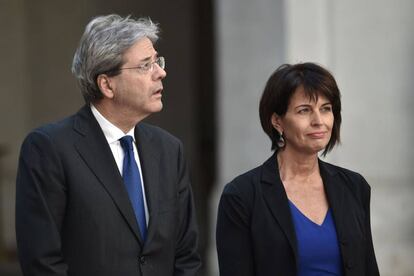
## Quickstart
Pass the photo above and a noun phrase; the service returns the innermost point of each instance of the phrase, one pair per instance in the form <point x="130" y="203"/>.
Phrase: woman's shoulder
<point x="352" y="179"/>
<point x="243" y="184"/>
<point x="332" y="168"/>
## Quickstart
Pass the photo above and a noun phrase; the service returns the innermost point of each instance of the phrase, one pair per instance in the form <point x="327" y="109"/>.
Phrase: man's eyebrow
<point x="149" y="58"/>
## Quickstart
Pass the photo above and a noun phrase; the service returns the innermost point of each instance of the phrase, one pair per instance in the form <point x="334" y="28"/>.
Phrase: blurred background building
<point x="219" y="55"/>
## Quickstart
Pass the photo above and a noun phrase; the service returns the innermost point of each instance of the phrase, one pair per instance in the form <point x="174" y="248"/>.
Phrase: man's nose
<point x="158" y="72"/>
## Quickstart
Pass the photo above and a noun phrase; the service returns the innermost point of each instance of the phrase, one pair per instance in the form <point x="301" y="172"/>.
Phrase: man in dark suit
<point x="100" y="192"/>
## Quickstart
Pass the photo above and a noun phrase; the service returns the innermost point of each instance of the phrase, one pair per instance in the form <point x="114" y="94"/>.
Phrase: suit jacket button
<point x="142" y="260"/>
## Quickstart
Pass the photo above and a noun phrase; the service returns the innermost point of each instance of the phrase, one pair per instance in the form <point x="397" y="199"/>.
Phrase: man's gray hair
<point x="105" y="40"/>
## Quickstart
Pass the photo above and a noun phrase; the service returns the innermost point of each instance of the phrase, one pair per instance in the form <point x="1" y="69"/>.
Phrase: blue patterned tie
<point x="132" y="180"/>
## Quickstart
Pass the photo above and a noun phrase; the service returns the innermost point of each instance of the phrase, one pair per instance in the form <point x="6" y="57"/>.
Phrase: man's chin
<point x="157" y="107"/>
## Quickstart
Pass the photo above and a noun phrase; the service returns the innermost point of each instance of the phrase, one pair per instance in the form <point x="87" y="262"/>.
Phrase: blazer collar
<point x="95" y="151"/>
<point x="276" y="199"/>
<point x="335" y="191"/>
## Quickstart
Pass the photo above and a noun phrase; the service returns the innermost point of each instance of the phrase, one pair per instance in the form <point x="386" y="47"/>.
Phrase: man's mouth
<point x="158" y="92"/>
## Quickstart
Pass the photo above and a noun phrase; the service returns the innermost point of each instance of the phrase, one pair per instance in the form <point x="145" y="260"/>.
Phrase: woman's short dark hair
<point x="284" y="82"/>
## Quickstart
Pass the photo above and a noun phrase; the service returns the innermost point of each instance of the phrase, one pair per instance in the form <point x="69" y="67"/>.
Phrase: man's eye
<point x="145" y="66"/>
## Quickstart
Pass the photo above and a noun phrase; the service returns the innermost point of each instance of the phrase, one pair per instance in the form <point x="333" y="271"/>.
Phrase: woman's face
<point x="307" y="124"/>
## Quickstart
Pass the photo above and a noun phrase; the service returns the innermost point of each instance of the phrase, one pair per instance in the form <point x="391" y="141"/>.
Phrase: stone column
<point x="250" y="45"/>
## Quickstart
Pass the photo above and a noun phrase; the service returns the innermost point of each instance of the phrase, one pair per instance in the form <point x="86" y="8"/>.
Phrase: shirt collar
<point x="112" y="133"/>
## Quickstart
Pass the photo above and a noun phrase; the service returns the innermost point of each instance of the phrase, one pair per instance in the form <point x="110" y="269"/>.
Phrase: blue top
<point x="318" y="247"/>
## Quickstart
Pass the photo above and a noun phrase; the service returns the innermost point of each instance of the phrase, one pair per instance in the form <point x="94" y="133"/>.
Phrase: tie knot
<point x="126" y="143"/>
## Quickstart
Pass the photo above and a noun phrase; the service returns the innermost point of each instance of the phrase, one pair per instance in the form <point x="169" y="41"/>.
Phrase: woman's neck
<point x="294" y="165"/>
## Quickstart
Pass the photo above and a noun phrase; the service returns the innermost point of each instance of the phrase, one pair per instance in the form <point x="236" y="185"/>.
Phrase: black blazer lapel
<point x="95" y="151"/>
<point x="276" y="199"/>
<point x="150" y="164"/>
<point x="335" y="193"/>
<point x="349" y="217"/>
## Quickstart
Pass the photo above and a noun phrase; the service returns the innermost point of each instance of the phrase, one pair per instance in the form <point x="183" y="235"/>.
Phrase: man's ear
<point x="277" y="122"/>
<point x="105" y="85"/>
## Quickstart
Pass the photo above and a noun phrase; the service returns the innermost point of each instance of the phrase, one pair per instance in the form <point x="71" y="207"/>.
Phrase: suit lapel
<point x="150" y="164"/>
<point x="95" y="151"/>
<point x="276" y="199"/>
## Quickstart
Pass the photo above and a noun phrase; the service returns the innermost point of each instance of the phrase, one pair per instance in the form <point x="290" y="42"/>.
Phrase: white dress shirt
<point x="112" y="135"/>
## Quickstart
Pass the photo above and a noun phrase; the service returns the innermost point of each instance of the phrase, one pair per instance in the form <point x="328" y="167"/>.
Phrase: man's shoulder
<point x="47" y="139"/>
<point x="156" y="133"/>
<point x="54" y="129"/>
<point x="64" y="128"/>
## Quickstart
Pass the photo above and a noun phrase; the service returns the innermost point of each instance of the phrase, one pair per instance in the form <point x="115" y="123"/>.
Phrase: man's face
<point x="138" y="94"/>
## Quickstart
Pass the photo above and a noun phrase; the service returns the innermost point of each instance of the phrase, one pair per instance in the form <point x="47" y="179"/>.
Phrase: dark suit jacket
<point x="73" y="214"/>
<point x="255" y="231"/>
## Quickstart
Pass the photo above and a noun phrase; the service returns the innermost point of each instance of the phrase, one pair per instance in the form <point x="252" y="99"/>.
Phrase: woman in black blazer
<point x="295" y="214"/>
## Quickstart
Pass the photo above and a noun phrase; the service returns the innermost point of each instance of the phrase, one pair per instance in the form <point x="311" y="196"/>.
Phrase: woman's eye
<point x="327" y="108"/>
<point x="303" y="111"/>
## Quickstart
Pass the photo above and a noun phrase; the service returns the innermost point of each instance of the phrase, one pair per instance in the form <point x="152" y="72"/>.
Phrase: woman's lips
<point x="317" y="135"/>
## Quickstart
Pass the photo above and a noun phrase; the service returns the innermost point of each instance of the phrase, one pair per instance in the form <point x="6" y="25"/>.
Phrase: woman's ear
<point x="104" y="84"/>
<point x="277" y="122"/>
